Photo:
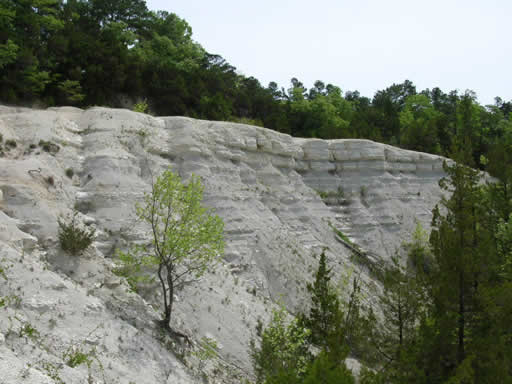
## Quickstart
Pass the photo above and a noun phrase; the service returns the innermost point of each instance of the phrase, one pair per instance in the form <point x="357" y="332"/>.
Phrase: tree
<point x="504" y="236"/>
<point x="325" y="305"/>
<point x="71" y="91"/>
<point x="396" y="338"/>
<point x="500" y="165"/>
<point x="132" y="12"/>
<point x="469" y="130"/>
<point x="461" y="256"/>
<point x="186" y="237"/>
<point x="418" y="125"/>
<point x="388" y="103"/>
<point x="329" y="115"/>
<point x="282" y="355"/>
<point x="325" y="371"/>
<point x="337" y="326"/>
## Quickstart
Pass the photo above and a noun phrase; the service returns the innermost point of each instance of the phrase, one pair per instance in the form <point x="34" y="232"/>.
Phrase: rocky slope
<point x="280" y="198"/>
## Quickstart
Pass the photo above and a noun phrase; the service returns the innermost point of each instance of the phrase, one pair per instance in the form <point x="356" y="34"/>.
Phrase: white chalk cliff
<point x="279" y="196"/>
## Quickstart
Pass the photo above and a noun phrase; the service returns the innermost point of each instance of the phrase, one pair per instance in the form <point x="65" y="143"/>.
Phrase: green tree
<point x="419" y="254"/>
<point x="401" y="305"/>
<point x="387" y="105"/>
<point x="170" y="44"/>
<point x="499" y="156"/>
<point x="469" y="130"/>
<point x="282" y="354"/>
<point x="325" y="305"/>
<point x="459" y="248"/>
<point x="186" y="237"/>
<point x="337" y="326"/>
<point x="330" y="114"/>
<point x="504" y="237"/>
<point x="396" y="337"/>
<point x="26" y="53"/>
<point x="131" y="12"/>
<point x="418" y="125"/>
<point x="71" y="91"/>
<point x="8" y="53"/>
<point x="324" y="370"/>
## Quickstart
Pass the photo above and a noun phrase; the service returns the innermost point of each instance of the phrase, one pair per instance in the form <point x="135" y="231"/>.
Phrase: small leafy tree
<point x="186" y="237"/>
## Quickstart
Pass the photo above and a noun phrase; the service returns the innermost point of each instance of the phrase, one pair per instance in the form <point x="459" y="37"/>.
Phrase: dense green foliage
<point x="282" y="354"/>
<point x="445" y="315"/>
<point x="325" y="305"/>
<point x="102" y="52"/>
<point x="333" y="327"/>
<point x="444" y="312"/>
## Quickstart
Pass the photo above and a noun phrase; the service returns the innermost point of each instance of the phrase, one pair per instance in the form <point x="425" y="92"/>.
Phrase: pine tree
<point x="326" y="371"/>
<point x="458" y="246"/>
<point x="325" y="305"/>
<point x="282" y="354"/>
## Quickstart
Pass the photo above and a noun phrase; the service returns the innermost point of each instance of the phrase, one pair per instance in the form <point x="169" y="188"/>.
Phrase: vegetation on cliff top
<point x="101" y="52"/>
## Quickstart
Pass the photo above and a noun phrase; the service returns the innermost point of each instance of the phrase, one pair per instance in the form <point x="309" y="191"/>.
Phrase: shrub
<point x="74" y="238"/>
<point x="76" y="358"/>
<point x="10" y="143"/>
<point x="323" y="194"/>
<point x="2" y="272"/>
<point x="363" y="191"/>
<point x="141" y="107"/>
<point x="29" y="331"/>
<point x="207" y="350"/>
<point x="70" y="173"/>
<point x="341" y="192"/>
<point x="49" y="147"/>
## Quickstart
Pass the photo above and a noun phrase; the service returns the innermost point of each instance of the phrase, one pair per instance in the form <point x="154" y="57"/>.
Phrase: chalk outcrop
<point x="280" y="197"/>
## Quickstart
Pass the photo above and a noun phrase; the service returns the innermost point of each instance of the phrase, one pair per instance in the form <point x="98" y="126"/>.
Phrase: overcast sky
<point x="363" y="45"/>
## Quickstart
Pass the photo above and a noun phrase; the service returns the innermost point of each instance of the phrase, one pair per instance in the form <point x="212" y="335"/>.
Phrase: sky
<point x="363" y="45"/>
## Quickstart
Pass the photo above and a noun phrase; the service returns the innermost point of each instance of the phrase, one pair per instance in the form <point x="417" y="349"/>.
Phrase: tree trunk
<point x="400" y="321"/>
<point x="170" y="302"/>
<point x="461" y="330"/>
<point x="167" y="312"/>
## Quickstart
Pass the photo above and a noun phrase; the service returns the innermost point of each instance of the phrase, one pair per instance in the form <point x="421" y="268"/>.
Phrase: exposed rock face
<point x="279" y="196"/>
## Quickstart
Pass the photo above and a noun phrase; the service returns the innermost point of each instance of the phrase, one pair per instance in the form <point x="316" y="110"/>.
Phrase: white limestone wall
<point x="262" y="183"/>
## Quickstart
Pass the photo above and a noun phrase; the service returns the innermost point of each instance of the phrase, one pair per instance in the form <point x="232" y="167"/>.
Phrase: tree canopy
<point x="104" y="52"/>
